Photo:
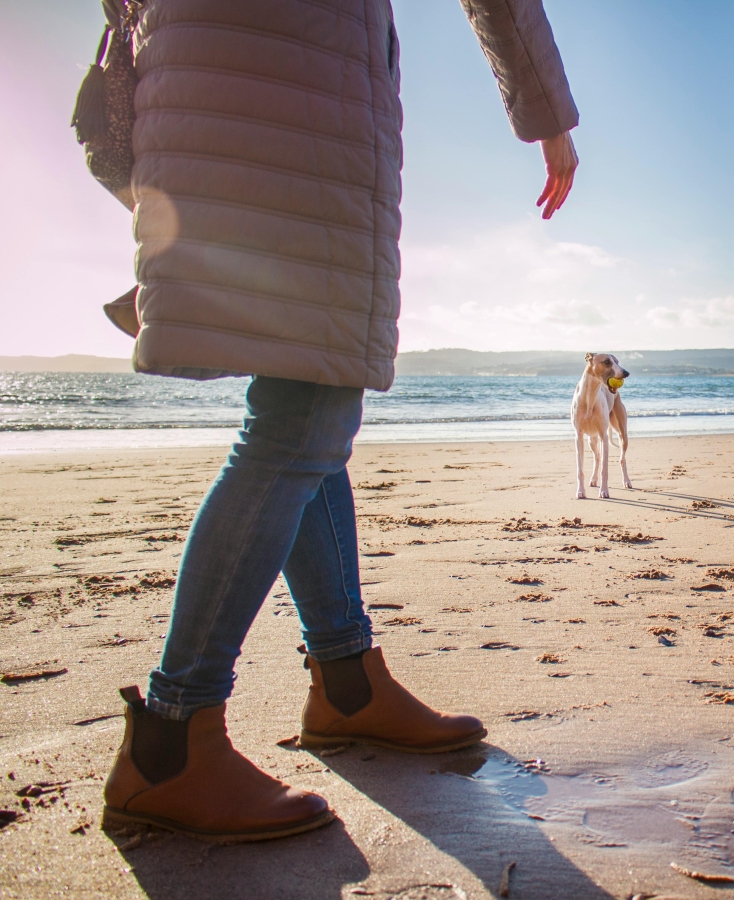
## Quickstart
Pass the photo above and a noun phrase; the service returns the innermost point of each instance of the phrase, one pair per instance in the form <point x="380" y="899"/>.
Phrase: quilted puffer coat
<point x="267" y="178"/>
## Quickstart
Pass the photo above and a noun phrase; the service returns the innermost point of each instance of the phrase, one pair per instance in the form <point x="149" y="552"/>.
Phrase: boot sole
<point x="310" y="741"/>
<point x="117" y="819"/>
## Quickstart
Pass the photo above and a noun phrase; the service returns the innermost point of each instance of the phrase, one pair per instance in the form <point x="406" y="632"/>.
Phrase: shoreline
<point x="72" y="440"/>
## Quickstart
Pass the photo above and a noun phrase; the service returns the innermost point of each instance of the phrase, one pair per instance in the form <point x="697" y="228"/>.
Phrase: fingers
<point x="560" y="186"/>
<point x="547" y="190"/>
<point x="558" y="196"/>
<point x="554" y="194"/>
<point x="568" y="190"/>
<point x="561" y="162"/>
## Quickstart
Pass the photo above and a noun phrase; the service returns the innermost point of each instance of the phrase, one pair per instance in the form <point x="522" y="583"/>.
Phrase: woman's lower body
<point x="283" y="502"/>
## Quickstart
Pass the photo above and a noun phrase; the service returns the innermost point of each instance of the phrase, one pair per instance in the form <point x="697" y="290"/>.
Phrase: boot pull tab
<point x="131" y="696"/>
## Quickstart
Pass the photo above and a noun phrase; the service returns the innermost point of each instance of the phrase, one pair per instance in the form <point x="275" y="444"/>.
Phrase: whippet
<point x="596" y="409"/>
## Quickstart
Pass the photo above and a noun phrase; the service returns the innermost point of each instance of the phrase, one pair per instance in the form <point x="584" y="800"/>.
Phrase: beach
<point x="595" y="639"/>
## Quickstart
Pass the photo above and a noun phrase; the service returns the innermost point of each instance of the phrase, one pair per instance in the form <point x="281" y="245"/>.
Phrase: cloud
<point x="717" y="312"/>
<point x="663" y="317"/>
<point x="557" y="262"/>
<point x="516" y="288"/>
<point x="506" y="286"/>
<point x="576" y="314"/>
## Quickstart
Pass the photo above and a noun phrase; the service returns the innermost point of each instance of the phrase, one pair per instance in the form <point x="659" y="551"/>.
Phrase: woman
<point x="267" y="186"/>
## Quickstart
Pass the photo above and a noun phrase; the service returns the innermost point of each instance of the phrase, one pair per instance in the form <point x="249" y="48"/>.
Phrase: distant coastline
<point x="72" y="362"/>
<point x="459" y="362"/>
<point x="707" y="363"/>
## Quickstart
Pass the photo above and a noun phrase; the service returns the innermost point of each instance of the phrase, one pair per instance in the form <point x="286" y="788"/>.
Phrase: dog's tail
<point x="612" y="435"/>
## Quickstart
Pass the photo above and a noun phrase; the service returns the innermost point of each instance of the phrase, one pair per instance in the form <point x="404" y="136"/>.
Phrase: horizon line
<point x="400" y="353"/>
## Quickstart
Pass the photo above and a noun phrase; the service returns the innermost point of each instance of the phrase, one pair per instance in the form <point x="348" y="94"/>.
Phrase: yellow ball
<point x="615" y="383"/>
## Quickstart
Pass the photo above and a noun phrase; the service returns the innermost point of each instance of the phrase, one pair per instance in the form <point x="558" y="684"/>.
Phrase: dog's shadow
<point x="435" y="796"/>
<point x="697" y="506"/>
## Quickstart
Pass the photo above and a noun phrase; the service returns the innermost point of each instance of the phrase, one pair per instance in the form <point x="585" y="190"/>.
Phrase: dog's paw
<point x="581" y="495"/>
<point x="594" y="483"/>
<point x="628" y="485"/>
<point x="603" y="495"/>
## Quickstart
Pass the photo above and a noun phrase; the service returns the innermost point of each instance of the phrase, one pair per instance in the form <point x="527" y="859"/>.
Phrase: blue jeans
<point x="282" y="502"/>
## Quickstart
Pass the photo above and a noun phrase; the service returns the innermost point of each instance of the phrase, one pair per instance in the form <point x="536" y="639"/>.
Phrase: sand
<point x="609" y="754"/>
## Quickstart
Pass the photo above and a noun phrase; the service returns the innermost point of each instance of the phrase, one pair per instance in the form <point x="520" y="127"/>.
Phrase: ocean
<point x="66" y="411"/>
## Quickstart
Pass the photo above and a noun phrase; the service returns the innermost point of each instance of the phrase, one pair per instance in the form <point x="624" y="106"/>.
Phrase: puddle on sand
<point x="675" y="768"/>
<point x="674" y="802"/>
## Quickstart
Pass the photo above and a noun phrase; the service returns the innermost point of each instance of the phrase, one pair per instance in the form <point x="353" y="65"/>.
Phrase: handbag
<point x="104" y="115"/>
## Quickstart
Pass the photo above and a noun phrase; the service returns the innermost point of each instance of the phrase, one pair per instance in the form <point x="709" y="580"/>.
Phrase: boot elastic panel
<point x="159" y="746"/>
<point x="346" y="684"/>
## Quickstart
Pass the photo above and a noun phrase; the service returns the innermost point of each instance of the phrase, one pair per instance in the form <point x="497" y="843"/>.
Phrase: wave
<point x="438" y="420"/>
<point x="115" y="426"/>
<point x="550" y="417"/>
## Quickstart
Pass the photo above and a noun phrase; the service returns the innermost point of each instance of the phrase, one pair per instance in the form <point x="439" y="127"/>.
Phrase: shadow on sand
<point x="434" y="795"/>
<point x="697" y="507"/>
<point x="305" y="867"/>
<point x="469" y="820"/>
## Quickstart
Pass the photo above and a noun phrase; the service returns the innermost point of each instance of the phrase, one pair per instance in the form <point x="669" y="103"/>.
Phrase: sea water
<point x="57" y="411"/>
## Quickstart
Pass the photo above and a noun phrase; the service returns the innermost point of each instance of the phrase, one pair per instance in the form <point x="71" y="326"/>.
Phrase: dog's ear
<point x="589" y="357"/>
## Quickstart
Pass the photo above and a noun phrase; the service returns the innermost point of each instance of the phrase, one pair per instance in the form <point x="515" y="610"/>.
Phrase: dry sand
<point x="541" y="613"/>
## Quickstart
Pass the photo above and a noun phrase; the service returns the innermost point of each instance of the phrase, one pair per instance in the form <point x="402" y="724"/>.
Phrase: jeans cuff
<point x="175" y="711"/>
<point x="364" y="642"/>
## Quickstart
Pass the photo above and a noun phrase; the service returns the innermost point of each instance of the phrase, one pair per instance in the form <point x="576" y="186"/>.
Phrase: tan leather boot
<point x="198" y="784"/>
<point x="393" y="718"/>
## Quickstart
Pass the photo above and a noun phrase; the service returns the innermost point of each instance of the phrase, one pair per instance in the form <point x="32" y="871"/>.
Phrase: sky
<point x="640" y="257"/>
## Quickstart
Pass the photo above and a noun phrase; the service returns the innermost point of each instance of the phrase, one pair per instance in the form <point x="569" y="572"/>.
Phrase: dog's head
<point x="605" y="366"/>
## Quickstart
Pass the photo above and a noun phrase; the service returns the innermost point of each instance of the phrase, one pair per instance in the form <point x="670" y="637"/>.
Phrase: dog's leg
<point x="580" y="492"/>
<point x="618" y="420"/>
<point x="623" y="461"/>
<point x="596" y="450"/>
<point x="604" y="486"/>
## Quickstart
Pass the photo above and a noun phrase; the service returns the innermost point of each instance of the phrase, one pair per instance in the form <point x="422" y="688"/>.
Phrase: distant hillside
<point x="561" y="362"/>
<point x="451" y="362"/>
<point x="70" y="363"/>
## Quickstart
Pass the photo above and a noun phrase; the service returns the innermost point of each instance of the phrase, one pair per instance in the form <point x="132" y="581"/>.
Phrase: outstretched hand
<point x="561" y="161"/>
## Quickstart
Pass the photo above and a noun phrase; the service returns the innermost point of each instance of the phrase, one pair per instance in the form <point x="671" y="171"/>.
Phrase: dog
<point x="596" y="409"/>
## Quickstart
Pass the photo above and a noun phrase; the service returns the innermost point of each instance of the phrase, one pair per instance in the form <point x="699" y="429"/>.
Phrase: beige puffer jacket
<point x="267" y="178"/>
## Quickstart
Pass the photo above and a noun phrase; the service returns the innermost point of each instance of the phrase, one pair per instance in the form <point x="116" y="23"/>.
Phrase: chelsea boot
<point x="186" y="776"/>
<point x="384" y="713"/>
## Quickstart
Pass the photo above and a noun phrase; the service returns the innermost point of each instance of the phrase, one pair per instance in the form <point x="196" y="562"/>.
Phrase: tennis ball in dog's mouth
<point x="615" y="383"/>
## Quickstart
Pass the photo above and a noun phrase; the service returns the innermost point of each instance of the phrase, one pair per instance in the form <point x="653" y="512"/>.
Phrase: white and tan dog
<point x="596" y="409"/>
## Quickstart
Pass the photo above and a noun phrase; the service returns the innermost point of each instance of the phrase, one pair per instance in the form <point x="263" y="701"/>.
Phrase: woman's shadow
<point x="311" y="866"/>
<point x="467" y="818"/>
<point x="436" y="796"/>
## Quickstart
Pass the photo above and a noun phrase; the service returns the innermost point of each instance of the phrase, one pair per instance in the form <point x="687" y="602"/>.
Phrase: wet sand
<point x="595" y="638"/>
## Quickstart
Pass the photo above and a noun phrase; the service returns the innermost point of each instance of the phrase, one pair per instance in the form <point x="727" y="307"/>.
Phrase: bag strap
<point x="122" y="14"/>
<point x="132" y="10"/>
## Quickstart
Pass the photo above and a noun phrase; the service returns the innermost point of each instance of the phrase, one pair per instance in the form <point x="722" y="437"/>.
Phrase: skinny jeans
<point x="282" y="502"/>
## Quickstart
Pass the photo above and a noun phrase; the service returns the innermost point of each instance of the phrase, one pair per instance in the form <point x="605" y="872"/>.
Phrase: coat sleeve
<point x="516" y="38"/>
